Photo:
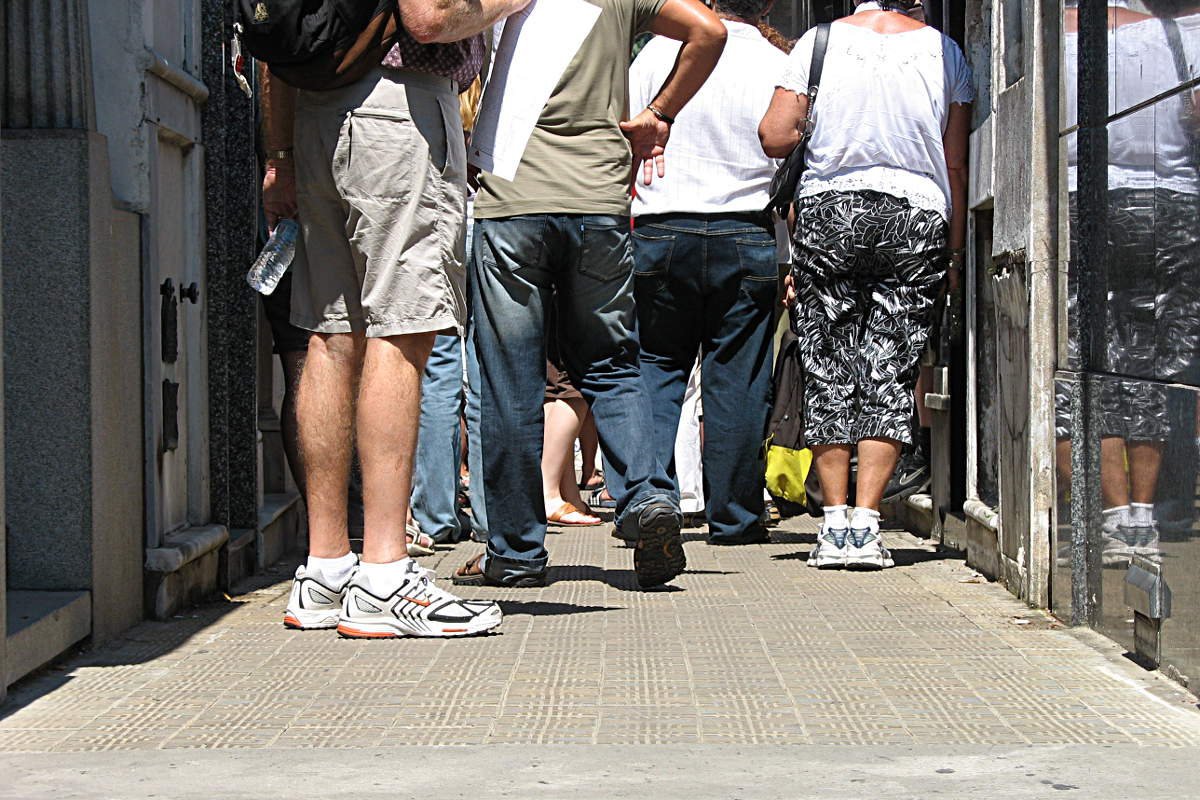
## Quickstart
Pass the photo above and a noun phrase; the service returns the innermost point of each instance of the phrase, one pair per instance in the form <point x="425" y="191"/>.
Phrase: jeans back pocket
<point x="605" y="251"/>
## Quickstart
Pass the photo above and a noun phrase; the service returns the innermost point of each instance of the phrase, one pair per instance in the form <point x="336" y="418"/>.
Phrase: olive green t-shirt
<point x="577" y="160"/>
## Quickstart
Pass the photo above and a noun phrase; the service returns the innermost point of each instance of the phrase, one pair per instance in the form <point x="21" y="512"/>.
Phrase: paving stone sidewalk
<point x="750" y="647"/>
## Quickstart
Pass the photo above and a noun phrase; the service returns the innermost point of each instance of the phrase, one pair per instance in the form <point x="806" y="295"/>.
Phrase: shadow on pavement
<point x="542" y="608"/>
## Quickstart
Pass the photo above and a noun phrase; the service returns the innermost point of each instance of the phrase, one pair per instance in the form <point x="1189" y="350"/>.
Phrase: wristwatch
<point x="279" y="155"/>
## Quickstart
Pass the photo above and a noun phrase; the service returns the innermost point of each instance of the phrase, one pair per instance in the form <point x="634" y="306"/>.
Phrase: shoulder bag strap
<point x="1175" y="42"/>
<point x="820" y="45"/>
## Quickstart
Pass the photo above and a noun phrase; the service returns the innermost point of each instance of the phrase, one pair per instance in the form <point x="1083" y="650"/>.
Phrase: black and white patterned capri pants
<point x="868" y="269"/>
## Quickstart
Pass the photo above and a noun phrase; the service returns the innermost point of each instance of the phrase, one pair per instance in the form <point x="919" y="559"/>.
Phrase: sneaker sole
<point x="318" y="622"/>
<point x="868" y="561"/>
<point x="827" y="562"/>
<point x="659" y="556"/>
<point x="388" y="630"/>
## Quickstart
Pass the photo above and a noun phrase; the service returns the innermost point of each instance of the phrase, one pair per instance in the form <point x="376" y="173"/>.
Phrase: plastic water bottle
<point x="275" y="258"/>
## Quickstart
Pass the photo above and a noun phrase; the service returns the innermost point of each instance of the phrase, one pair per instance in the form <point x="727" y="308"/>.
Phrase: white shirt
<point x="714" y="162"/>
<point x="881" y="112"/>
<point x="1150" y="148"/>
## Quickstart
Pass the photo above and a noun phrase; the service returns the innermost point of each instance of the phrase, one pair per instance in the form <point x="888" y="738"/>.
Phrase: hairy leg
<point x="325" y="419"/>
<point x="389" y="407"/>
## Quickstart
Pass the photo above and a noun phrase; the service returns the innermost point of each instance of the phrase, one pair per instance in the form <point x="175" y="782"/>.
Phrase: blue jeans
<point x="585" y="264"/>
<point x="439" y="447"/>
<point x="708" y="284"/>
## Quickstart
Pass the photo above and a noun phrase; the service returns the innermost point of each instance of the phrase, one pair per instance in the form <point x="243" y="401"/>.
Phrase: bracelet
<point x="663" y="116"/>
<point x="279" y="155"/>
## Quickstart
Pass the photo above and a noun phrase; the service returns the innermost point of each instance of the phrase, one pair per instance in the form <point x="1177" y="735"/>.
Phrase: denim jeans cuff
<point x="506" y="570"/>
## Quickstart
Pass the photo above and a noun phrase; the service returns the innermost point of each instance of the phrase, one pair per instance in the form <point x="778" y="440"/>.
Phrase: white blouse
<point x="881" y="112"/>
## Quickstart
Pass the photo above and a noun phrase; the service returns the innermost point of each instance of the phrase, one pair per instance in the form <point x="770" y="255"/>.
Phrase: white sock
<point x="1141" y="514"/>
<point x="1115" y="517"/>
<point x="865" y="518"/>
<point x="334" y="571"/>
<point x="835" y="516"/>
<point x="384" y="579"/>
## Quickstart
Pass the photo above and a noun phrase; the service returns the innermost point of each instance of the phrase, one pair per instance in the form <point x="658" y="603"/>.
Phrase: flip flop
<point x="559" y="517"/>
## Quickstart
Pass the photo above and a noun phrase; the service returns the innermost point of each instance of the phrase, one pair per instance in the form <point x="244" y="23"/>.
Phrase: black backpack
<point x="317" y="44"/>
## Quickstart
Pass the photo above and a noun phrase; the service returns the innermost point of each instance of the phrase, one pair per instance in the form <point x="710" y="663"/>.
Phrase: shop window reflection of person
<point x="1150" y="272"/>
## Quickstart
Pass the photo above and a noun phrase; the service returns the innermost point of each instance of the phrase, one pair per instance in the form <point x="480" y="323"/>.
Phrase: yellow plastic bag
<point x="787" y="470"/>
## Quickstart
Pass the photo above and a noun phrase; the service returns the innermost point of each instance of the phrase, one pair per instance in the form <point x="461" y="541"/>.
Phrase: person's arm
<point x="955" y="144"/>
<point x="278" y="114"/>
<point x="779" y="131"/>
<point x="453" y="20"/>
<point x="703" y="38"/>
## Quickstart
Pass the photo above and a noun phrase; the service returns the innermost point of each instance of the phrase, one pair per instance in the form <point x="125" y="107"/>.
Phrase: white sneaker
<point x="417" y="608"/>
<point x="1145" y="542"/>
<point x="865" y="550"/>
<point x="831" y="548"/>
<point x="314" y="605"/>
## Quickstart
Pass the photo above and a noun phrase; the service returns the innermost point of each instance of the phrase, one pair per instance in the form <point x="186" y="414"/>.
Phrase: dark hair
<point x="742" y="9"/>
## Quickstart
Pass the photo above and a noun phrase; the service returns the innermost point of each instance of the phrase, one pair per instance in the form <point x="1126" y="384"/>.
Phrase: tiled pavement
<point x="749" y="648"/>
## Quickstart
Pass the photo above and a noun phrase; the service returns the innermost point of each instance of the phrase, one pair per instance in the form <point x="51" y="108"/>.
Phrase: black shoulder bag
<point x="787" y="177"/>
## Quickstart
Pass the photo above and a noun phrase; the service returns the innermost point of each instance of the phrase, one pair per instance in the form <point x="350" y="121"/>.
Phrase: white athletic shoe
<point x="314" y="605"/>
<point x="865" y="550"/>
<point x="417" y="608"/>
<point x="831" y="548"/>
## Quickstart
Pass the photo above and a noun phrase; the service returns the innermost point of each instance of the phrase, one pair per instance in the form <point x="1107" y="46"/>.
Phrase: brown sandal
<point x="559" y="517"/>
<point x="472" y="574"/>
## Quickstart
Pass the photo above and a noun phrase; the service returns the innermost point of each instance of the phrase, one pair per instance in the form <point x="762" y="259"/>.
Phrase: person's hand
<point x="648" y="135"/>
<point x="789" y="291"/>
<point x="279" y="192"/>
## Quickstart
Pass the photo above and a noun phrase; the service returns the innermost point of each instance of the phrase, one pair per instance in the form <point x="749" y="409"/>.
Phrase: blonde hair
<point x="468" y="104"/>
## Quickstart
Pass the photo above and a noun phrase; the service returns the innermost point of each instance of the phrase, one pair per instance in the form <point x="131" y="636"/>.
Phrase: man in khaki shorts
<point x="375" y="172"/>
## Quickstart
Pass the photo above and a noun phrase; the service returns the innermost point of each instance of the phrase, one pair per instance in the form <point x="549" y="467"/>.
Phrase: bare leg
<point x="569" y="487"/>
<point x="293" y="368"/>
<point x="389" y="405"/>
<point x="876" y="463"/>
<point x="1114" y="480"/>
<point x="563" y="420"/>
<point x="1145" y="461"/>
<point x="589" y="445"/>
<point x="325" y="418"/>
<point x="832" y="462"/>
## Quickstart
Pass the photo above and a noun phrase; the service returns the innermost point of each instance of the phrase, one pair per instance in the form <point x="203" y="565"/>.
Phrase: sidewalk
<point x="752" y="648"/>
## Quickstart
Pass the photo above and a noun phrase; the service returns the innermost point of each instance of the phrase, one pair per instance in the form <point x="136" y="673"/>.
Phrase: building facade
<point x="142" y="474"/>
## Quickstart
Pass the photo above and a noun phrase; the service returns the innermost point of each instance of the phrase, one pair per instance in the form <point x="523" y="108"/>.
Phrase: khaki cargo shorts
<point x="381" y="187"/>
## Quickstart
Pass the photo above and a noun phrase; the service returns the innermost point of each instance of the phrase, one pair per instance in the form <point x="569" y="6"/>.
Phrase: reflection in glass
<point x="1137" y="291"/>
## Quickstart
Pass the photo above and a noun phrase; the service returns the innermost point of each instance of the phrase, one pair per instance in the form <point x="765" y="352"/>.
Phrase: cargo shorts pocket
<point x="605" y="249"/>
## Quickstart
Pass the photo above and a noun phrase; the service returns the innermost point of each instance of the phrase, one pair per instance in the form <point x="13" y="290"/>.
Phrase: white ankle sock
<point x="1141" y="514"/>
<point x="384" y="579"/>
<point x="334" y="571"/>
<point x="865" y="518"/>
<point x="835" y="516"/>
